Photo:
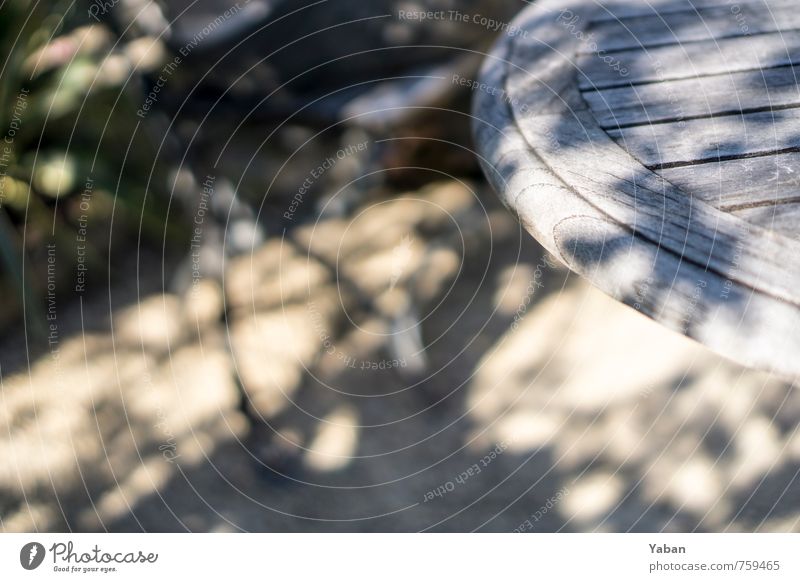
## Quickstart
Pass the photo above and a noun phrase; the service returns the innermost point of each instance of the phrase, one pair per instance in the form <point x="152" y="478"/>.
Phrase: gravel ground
<point x="294" y="398"/>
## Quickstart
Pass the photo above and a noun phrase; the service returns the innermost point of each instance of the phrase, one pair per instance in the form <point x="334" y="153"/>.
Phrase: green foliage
<point x="73" y="153"/>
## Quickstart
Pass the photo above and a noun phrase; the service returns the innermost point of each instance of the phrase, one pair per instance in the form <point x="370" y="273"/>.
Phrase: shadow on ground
<point x="538" y="404"/>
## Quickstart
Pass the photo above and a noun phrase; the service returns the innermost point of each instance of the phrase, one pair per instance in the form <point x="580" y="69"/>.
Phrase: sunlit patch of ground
<point x="525" y="397"/>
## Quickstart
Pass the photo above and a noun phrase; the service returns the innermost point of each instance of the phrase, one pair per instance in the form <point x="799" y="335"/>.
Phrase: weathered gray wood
<point x="571" y="142"/>
<point x="711" y="138"/>
<point x="782" y="218"/>
<point x="707" y="273"/>
<point x="628" y="193"/>
<point x="553" y="50"/>
<point x="736" y="184"/>
<point x="735" y="321"/>
<point x="763" y="191"/>
<point x="691" y="60"/>
<point x="613" y="10"/>
<point x="694" y="24"/>
<point x="692" y="98"/>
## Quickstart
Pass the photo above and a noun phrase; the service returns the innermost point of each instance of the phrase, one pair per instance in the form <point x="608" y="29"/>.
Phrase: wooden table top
<point x="654" y="146"/>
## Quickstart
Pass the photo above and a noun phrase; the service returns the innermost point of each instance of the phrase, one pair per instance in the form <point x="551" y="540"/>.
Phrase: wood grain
<point x="782" y="218"/>
<point x="613" y="10"/>
<point x="693" y="98"/>
<point x="708" y="273"/>
<point x="709" y="139"/>
<point x="688" y="61"/>
<point x="694" y="24"/>
<point x="742" y="183"/>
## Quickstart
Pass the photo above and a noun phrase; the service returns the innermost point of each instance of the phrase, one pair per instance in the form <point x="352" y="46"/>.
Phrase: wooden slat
<point x="782" y="218"/>
<point x="552" y="49"/>
<point x="581" y="154"/>
<point x="691" y="98"/>
<point x="711" y="139"/>
<point x="695" y="24"/>
<point x="613" y="10"/>
<point x="740" y="183"/>
<point x="706" y="273"/>
<point x="629" y="268"/>
<point x="629" y="194"/>
<point x="688" y="61"/>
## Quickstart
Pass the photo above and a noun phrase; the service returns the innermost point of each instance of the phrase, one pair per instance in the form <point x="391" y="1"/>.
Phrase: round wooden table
<point x="655" y="148"/>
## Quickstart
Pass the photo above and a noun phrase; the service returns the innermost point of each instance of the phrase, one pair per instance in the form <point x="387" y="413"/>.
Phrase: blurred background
<point x="254" y="280"/>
